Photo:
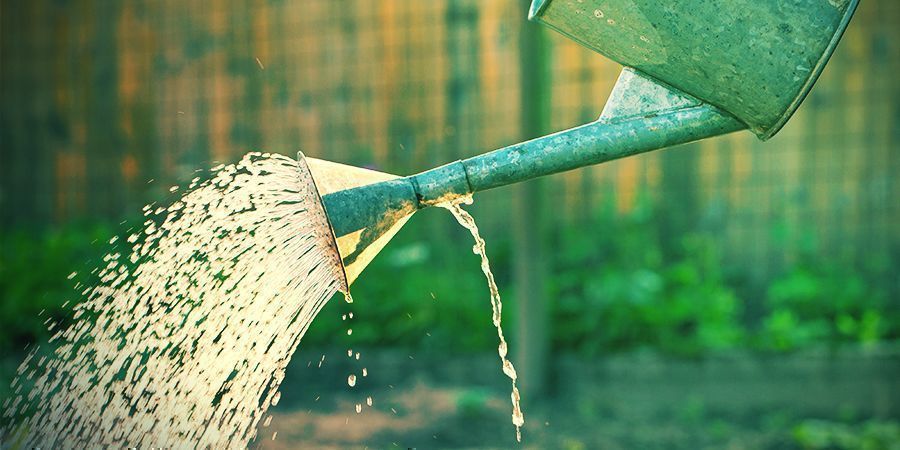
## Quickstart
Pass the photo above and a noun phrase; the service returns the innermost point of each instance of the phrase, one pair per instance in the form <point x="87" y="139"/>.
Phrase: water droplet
<point x="276" y="398"/>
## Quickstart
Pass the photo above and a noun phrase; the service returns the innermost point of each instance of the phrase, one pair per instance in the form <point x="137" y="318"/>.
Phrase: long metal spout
<point x="640" y="116"/>
<point x="589" y="144"/>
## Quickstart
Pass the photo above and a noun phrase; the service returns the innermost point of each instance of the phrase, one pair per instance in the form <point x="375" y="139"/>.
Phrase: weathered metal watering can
<point x="693" y="69"/>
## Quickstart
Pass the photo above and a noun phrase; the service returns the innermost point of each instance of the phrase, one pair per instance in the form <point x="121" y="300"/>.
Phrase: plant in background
<point x="35" y="281"/>
<point x="417" y="293"/>
<point x="870" y="435"/>
<point x="614" y="291"/>
<point x="823" y="302"/>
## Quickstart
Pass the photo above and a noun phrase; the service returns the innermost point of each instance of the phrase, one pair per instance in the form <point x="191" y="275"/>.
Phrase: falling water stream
<point x="466" y="220"/>
<point x="184" y="340"/>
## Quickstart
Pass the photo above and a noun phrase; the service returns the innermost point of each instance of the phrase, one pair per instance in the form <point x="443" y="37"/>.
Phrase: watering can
<point x="693" y="69"/>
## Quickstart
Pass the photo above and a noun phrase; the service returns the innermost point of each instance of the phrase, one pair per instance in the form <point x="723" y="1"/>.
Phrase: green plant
<point x="472" y="403"/>
<point x="36" y="278"/>
<point x="870" y="435"/>
<point x="825" y="302"/>
<point x="615" y="291"/>
<point x="418" y="293"/>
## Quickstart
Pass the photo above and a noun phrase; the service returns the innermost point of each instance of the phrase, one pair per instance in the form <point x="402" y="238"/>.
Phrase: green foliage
<point x="416" y="293"/>
<point x="612" y="286"/>
<point x="615" y="291"/>
<point x="473" y="403"/>
<point x="826" y="303"/>
<point x="34" y="277"/>
<point x="870" y="435"/>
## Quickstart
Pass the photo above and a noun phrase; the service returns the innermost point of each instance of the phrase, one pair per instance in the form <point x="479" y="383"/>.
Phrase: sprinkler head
<point x="365" y="209"/>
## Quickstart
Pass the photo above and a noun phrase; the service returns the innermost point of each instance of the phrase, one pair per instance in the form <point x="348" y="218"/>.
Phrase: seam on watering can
<point x="651" y="114"/>
<point x="469" y="190"/>
<point x="417" y="190"/>
<point x="813" y="74"/>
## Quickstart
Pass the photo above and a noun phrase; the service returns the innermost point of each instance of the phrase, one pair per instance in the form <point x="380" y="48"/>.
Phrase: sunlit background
<point x="729" y="293"/>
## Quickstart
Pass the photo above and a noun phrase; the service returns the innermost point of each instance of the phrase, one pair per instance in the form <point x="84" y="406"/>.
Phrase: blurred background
<point x="723" y="294"/>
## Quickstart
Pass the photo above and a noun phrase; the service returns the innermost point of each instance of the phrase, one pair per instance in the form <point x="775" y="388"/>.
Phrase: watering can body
<point x="755" y="59"/>
<point x="694" y="69"/>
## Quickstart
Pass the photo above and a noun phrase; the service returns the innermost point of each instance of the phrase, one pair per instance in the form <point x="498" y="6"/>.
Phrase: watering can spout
<point x="640" y="116"/>
<point x="365" y="208"/>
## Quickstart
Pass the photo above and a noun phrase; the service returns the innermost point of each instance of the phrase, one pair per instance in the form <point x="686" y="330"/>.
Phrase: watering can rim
<point x="345" y="285"/>
<point x="814" y="73"/>
<point x="538" y="6"/>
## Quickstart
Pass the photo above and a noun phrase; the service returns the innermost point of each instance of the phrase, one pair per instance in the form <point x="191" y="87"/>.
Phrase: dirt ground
<point x="814" y="400"/>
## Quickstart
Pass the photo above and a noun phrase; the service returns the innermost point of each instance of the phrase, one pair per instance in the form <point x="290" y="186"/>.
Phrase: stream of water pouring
<point x="184" y="340"/>
<point x="466" y="220"/>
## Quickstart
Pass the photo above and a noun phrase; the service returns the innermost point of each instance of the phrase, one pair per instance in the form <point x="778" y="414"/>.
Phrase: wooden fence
<point x="99" y="98"/>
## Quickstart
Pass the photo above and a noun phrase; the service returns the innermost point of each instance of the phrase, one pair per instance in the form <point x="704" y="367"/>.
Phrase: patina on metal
<point x="694" y="69"/>
<point x="756" y="59"/>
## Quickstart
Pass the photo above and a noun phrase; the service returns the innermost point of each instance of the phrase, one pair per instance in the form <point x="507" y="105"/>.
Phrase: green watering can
<point x="693" y="69"/>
